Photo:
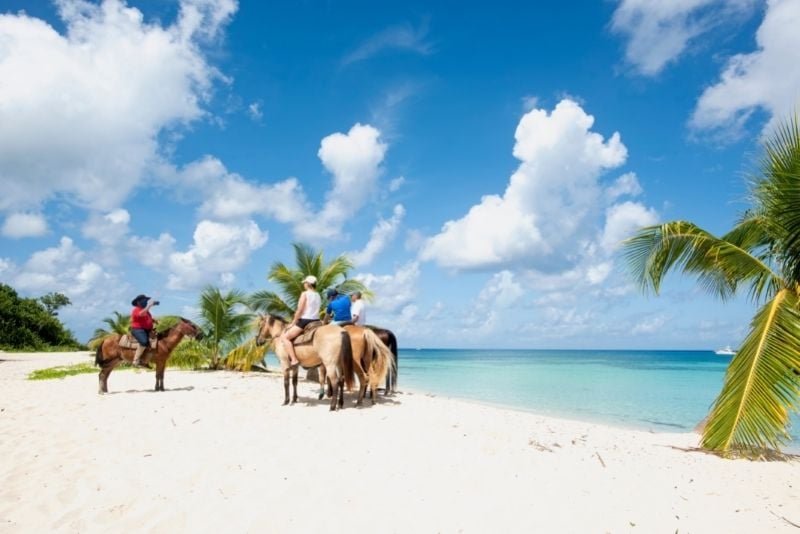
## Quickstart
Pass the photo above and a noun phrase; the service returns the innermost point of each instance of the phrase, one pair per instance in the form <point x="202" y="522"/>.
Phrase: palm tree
<point x="117" y="324"/>
<point x="762" y="254"/>
<point x="227" y="324"/>
<point x="290" y="281"/>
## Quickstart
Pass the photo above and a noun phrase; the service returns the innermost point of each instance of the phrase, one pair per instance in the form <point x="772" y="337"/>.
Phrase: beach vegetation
<point x="117" y="323"/>
<point x="229" y="328"/>
<point x="26" y="324"/>
<point x="289" y="280"/>
<point x="62" y="371"/>
<point x="759" y="256"/>
<point x="53" y="301"/>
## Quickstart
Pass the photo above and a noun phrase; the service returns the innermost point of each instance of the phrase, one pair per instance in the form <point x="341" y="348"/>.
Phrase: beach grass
<point x="62" y="371"/>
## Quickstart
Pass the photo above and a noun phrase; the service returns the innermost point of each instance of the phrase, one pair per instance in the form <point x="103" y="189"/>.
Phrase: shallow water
<point x="658" y="390"/>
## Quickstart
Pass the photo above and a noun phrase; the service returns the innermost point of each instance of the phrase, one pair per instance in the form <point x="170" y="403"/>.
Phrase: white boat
<point x="727" y="351"/>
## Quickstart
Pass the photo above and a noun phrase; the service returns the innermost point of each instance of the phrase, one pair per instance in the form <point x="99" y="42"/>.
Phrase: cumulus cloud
<point x="18" y="225"/>
<point x="659" y="32"/>
<point x="627" y="184"/>
<point x="766" y="79"/>
<point x="501" y="290"/>
<point x="82" y="118"/>
<point x="64" y="268"/>
<point x="622" y="220"/>
<point x="354" y="160"/>
<point x="393" y="291"/>
<point x="381" y="235"/>
<point x="109" y="228"/>
<point x="402" y="37"/>
<point x="396" y="183"/>
<point x="217" y="251"/>
<point x="549" y="205"/>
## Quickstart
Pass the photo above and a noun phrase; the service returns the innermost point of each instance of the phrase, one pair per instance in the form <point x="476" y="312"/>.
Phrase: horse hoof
<point x="285" y="403"/>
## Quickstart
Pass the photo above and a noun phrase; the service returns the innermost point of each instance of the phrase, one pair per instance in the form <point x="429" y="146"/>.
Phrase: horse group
<point x="341" y="353"/>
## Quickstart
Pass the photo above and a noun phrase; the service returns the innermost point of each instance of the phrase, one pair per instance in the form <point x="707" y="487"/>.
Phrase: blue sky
<point x="479" y="164"/>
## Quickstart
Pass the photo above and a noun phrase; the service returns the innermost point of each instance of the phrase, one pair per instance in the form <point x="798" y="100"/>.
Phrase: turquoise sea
<point x="656" y="390"/>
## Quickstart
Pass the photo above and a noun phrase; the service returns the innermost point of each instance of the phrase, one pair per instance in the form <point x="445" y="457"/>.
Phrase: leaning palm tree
<point x="762" y="255"/>
<point x="117" y="324"/>
<point x="290" y="280"/>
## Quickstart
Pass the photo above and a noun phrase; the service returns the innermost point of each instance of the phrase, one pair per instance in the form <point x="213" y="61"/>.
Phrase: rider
<point x="338" y="307"/>
<point x="142" y="324"/>
<point x="358" y="309"/>
<point x="307" y="312"/>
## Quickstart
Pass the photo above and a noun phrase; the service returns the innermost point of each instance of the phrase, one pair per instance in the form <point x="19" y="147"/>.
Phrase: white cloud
<point x="660" y="31"/>
<point x="502" y="290"/>
<point x="217" y="251"/>
<point x="381" y="235"/>
<point x="401" y="37"/>
<point x="651" y="324"/>
<point x="354" y="160"/>
<point x="396" y="183"/>
<point x="18" y="225"/>
<point x="108" y="229"/>
<point x="393" y="291"/>
<point x="627" y="184"/>
<point x="82" y="118"/>
<point x="65" y="269"/>
<point x="767" y="79"/>
<point x="255" y="111"/>
<point x="622" y="220"/>
<point x="153" y="253"/>
<point x="549" y="205"/>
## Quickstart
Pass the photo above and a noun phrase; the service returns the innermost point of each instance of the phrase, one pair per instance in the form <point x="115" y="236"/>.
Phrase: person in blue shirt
<point x="338" y="308"/>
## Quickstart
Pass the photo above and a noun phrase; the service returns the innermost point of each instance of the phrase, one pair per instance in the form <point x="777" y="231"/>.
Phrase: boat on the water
<point x="727" y="351"/>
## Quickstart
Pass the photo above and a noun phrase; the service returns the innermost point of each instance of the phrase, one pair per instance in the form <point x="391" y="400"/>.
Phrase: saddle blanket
<point x="307" y="336"/>
<point x="127" y="341"/>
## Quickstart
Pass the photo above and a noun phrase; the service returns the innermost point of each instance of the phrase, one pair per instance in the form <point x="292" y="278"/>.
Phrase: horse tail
<point x="98" y="355"/>
<point x="393" y="347"/>
<point x="346" y="353"/>
<point x="382" y="361"/>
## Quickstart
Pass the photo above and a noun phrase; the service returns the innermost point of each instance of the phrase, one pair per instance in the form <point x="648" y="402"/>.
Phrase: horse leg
<point x="362" y="381"/>
<point x="161" y="363"/>
<point x="341" y="392"/>
<point x="285" y="385"/>
<point x="334" y="384"/>
<point x="295" y="370"/>
<point x="106" y="366"/>
<point x="322" y="375"/>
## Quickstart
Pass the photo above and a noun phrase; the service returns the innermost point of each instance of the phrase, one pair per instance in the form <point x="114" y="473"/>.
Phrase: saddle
<point x="127" y="341"/>
<point x="307" y="336"/>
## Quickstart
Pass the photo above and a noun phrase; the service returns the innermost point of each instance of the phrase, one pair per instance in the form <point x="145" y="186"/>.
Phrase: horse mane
<point x="278" y="317"/>
<point x="164" y="333"/>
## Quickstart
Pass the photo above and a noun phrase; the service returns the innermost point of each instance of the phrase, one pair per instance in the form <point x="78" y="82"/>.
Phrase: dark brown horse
<point x="109" y="354"/>
<point x="389" y="339"/>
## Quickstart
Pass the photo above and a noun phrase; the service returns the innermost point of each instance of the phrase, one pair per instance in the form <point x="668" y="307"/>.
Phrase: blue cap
<point x="331" y="292"/>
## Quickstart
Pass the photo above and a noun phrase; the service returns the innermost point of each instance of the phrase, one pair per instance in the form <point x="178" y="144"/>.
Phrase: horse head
<point x="189" y="329"/>
<point x="269" y="327"/>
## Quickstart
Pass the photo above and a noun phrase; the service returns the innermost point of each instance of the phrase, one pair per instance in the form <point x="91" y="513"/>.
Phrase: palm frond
<point x="777" y="193"/>
<point x="761" y="387"/>
<point x="720" y="266"/>
<point x="243" y="356"/>
<point x="269" y="302"/>
<point x="190" y="354"/>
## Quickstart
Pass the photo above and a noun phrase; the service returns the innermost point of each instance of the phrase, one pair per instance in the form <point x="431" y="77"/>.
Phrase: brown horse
<point x="389" y="339"/>
<point x="109" y="354"/>
<point x="330" y="349"/>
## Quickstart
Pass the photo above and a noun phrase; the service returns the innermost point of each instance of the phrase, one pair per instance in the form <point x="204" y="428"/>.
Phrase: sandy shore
<point x="217" y="451"/>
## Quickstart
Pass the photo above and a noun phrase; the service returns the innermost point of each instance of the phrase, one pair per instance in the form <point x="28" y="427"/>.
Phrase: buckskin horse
<point x="109" y="354"/>
<point x="372" y="361"/>
<point x="330" y="348"/>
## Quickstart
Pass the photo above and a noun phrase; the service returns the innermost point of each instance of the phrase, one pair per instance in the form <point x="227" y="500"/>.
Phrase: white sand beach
<point x="218" y="452"/>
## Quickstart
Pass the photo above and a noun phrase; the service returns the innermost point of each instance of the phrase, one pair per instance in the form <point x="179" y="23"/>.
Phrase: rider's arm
<point x="301" y="305"/>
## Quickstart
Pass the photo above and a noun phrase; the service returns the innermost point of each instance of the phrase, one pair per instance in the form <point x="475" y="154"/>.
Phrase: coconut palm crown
<point x="761" y="255"/>
<point x="290" y="280"/>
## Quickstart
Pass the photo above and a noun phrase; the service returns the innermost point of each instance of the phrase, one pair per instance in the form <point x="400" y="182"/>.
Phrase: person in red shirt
<point x="142" y="324"/>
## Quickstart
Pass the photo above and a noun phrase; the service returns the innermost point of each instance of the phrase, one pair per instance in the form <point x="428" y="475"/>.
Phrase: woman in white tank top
<point x="307" y="311"/>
